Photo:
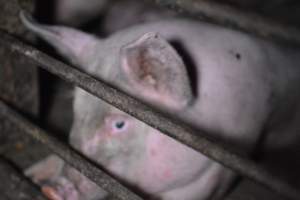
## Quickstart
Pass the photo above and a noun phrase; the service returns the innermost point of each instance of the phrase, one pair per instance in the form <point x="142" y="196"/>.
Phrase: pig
<point x="226" y="82"/>
<point x="62" y="182"/>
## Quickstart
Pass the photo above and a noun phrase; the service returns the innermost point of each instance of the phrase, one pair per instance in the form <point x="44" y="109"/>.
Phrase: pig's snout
<point x="51" y="193"/>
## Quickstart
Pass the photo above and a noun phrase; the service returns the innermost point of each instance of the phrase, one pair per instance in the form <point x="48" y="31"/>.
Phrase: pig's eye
<point x="119" y="125"/>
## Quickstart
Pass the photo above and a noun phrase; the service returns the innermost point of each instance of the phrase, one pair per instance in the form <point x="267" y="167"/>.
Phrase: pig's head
<point x="130" y="149"/>
<point x="149" y="68"/>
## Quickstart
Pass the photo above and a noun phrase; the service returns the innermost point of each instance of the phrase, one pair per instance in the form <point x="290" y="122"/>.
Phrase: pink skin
<point x="141" y="60"/>
<point x="105" y="134"/>
<point x="163" y="161"/>
<point x="67" y="189"/>
<point x="166" y="167"/>
<point x="64" y="190"/>
<point x="51" y="193"/>
<point x="59" y="181"/>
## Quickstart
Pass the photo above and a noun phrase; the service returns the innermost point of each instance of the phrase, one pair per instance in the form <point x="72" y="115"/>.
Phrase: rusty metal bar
<point x="73" y="158"/>
<point x="230" y="17"/>
<point x="197" y="141"/>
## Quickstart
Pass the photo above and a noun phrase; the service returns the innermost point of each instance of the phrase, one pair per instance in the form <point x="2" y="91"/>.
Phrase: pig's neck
<point x="237" y="112"/>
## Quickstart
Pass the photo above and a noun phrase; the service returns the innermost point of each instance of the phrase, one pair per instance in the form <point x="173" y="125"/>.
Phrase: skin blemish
<point x="153" y="152"/>
<point x="237" y="56"/>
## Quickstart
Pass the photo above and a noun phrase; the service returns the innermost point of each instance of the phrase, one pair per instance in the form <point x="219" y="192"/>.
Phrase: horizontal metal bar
<point x="230" y="17"/>
<point x="86" y="167"/>
<point x="197" y="141"/>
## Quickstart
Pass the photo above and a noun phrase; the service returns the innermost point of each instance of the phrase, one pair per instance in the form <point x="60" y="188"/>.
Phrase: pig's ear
<point x="157" y="71"/>
<point x="76" y="46"/>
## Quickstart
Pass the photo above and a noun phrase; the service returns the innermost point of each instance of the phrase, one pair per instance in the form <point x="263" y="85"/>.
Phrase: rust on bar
<point x="120" y="100"/>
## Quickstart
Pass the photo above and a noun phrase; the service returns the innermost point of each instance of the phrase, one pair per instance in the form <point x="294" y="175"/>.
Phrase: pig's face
<point x="104" y="133"/>
<point x="149" y="68"/>
<point x="130" y="149"/>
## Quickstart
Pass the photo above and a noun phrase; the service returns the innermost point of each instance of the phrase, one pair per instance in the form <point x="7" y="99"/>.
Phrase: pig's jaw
<point x="212" y="184"/>
<point x="120" y="160"/>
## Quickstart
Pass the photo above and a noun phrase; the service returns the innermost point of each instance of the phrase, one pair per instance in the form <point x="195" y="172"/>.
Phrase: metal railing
<point x="73" y="158"/>
<point x="17" y="185"/>
<point x="117" y="98"/>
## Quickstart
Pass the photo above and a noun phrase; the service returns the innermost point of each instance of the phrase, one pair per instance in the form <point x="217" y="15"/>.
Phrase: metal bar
<point x="197" y="141"/>
<point x="230" y="17"/>
<point x="73" y="158"/>
<point x="16" y="185"/>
